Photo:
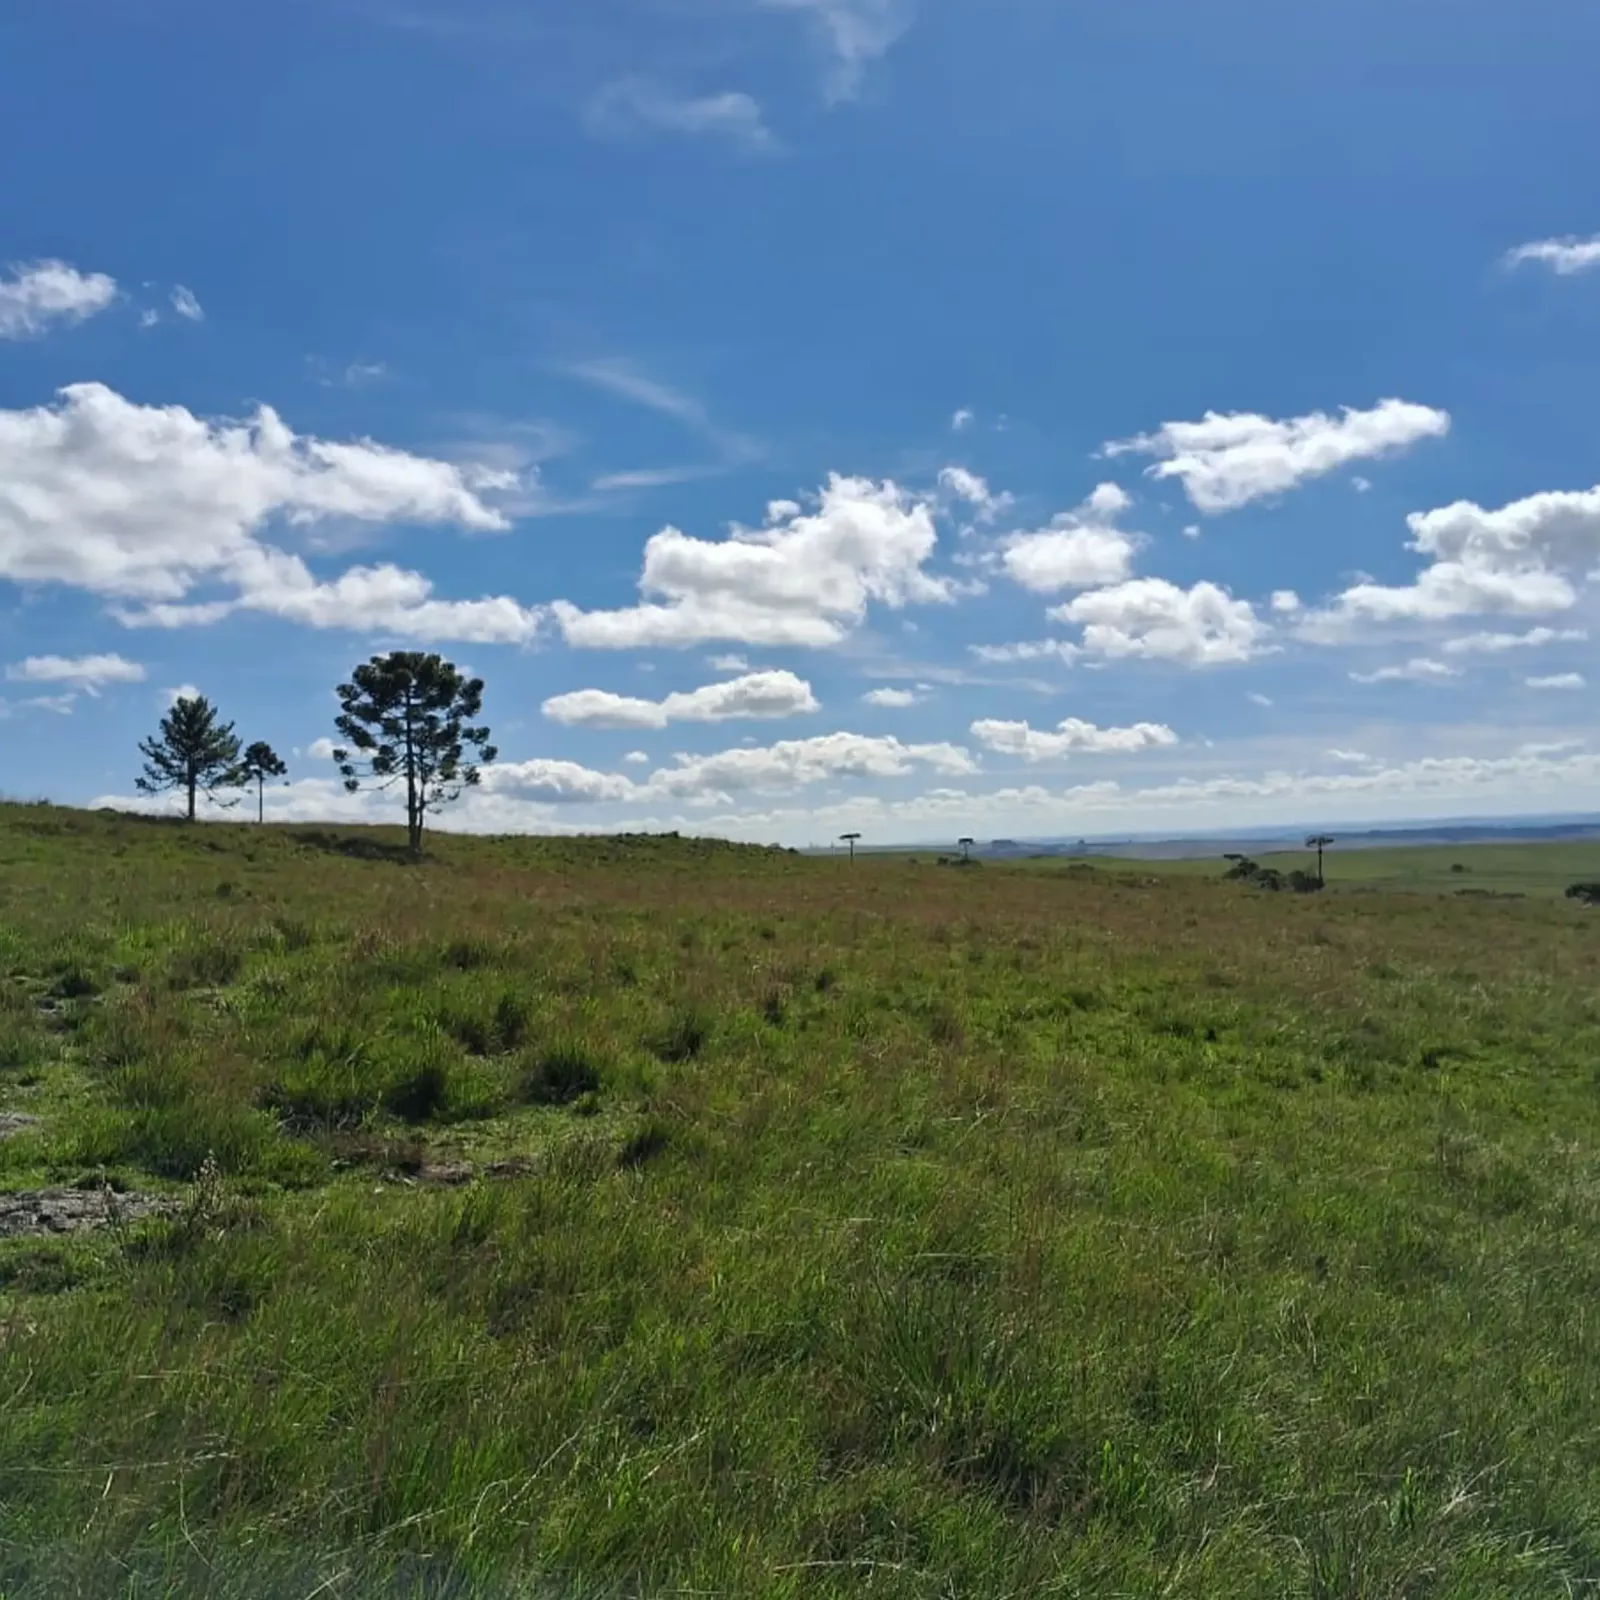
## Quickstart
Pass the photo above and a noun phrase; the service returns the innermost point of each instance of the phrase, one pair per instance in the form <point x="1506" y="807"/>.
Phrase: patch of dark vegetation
<point x="1298" y="881"/>
<point x="684" y="1037"/>
<point x="1586" y="893"/>
<point x="643" y="1145"/>
<point x="356" y="846"/>
<point x="560" y="1076"/>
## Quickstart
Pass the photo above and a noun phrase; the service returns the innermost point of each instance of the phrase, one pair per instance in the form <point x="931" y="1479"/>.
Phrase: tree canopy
<point x="193" y="751"/>
<point x="410" y="718"/>
<point x="260" y="762"/>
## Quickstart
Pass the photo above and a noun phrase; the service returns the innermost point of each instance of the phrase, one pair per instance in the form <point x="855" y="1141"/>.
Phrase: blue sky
<point x="915" y="416"/>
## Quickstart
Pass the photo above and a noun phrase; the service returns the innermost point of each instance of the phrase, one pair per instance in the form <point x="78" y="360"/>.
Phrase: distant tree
<point x="850" y="839"/>
<point x="260" y="762"/>
<point x="966" y="848"/>
<point x="192" y="751"/>
<point x="1319" y="842"/>
<point x="409" y="718"/>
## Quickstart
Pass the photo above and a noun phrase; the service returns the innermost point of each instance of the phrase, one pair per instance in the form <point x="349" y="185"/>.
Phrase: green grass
<point x="836" y="1229"/>
<point x="1471" y="870"/>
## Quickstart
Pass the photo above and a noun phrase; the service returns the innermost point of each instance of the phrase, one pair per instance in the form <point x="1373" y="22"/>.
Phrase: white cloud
<point x="637" y="758"/>
<point x="1229" y="460"/>
<point x="968" y="486"/>
<point x="146" y="503"/>
<point x="1191" y="530"/>
<point x="1258" y="699"/>
<point x="1079" y="550"/>
<point x="36" y="296"/>
<point x="1565" y="257"/>
<point x="1285" y="602"/>
<point x="1361" y="485"/>
<point x="1517" y="561"/>
<point x="1151" y="618"/>
<point x="632" y="104"/>
<point x="83" y="672"/>
<point x="763" y="695"/>
<point x="890" y="699"/>
<point x="728" y="663"/>
<point x="321" y="749"/>
<point x="856" y="32"/>
<point x="1490" y="644"/>
<point x="1071" y="737"/>
<point x="185" y="304"/>
<point x="962" y="420"/>
<point x="1353" y="758"/>
<point x="804" y="579"/>
<point x="1558" y="680"/>
<point x="1420" y="670"/>
<point x="184" y="691"/>
<point x="557" y="783"/>
<point x="794" y="763"/>
<point x="1028" y="650"/>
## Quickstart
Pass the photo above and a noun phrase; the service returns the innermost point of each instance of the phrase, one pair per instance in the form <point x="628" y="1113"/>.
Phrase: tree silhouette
<point x="850" y="839"/>
<point x="260" y="762"/>
<point x="1319" y="842"/>
<point x="192" y="751"/>
<point x="966" y="848"/>
<point x="407" y="718"/>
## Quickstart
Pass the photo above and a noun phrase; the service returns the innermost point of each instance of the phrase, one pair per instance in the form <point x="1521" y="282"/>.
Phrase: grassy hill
<point x="649" y="1217"/>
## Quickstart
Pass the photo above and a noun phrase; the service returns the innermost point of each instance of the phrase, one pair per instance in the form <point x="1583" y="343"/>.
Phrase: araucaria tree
<point x="409" y="718"/>
<point x="193" y="751"/>
<point x="259" y="763"/>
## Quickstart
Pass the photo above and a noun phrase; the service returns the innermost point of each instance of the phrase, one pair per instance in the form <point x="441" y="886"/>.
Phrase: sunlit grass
<point x="654" y="1217"/>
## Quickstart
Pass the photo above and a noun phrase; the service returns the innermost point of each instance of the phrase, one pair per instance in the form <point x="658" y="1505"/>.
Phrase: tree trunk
<point x="192" y="784"/>
<point x="261" y="797"/>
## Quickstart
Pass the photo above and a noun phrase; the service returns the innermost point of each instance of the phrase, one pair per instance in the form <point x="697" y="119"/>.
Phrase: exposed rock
<point x="36" y="1211"/>
<point x="14" y="1122"/>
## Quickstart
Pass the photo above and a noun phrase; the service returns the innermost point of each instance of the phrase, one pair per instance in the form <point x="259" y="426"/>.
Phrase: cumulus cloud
<point x="794" y="763"/>
<point x="1151" y="618"/>
<point x="637" y="758"/>
<point x="1565" y="257"/>
<point x="963" y="419"/>
<point x="1080" y="549"/>
<point x="804" y="579"/>
<point x="759" y="695"/>
<point x="147" y="503"/>
<point x="1557" y="680"/>
<point x="634" y="104"/>
<point x="186" y="305"/>
<point x="1519" y="560"/>
<point x="90" y="673"/>
<point x="558" y="783"/>
<point x="36" y="297"/>
<point x="321" y="749"/>
<point x="1071" y="737"/>
<point x="890" y="699"/>
<point x="728" y="663"/>
<point x="1228" y="460"/>
<point x="1420" y="670"/>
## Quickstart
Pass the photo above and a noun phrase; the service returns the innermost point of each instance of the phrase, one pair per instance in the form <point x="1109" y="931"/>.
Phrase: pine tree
<point x="259" y="763"/>
<point x="407" y="717"/>
<point x="191" y="751"/>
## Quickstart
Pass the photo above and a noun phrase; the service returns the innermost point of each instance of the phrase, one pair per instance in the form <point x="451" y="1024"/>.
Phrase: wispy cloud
<point x="1565" y="257"/>
<point x="186" y="305"/>
<point x="855" y="32"/>
<point x="653" y="478"/>
<point x="636" y="104"/>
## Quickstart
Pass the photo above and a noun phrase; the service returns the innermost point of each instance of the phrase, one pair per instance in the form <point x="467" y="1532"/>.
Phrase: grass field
<point x="645" y="1217"/>
<point x="1469" y="870"/>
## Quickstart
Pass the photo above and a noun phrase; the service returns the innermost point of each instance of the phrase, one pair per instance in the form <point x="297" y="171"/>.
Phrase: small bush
<point x="559" y="1076"/>
<point x="685" y="1036"/>
<point x="1586" y="893"/>
<point x="419" y="1096"/>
